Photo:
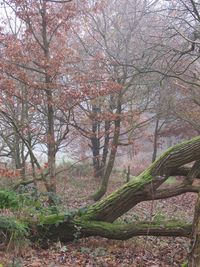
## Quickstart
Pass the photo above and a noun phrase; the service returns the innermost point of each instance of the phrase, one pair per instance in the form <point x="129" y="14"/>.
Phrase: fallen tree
<point x="99" y="218"/>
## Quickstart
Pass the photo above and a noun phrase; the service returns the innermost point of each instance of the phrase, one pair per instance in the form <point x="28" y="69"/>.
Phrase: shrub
<point x="8" y="199"/>
<point x="12" y="232"/>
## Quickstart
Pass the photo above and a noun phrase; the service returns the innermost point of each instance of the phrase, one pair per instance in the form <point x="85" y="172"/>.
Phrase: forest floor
<point x="91" y="252"/>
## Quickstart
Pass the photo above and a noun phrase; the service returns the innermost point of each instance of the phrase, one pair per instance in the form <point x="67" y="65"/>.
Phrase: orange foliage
<point x="9" y="173"/>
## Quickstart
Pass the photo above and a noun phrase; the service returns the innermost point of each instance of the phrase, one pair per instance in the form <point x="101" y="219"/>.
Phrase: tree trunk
<point x="95" y="141"/>
<point x="105" y="147"/>
<point x="194" y="256"/>
<point x="155" y="140"/>
<point x="16" y="151"/>
<point x="96" y="154"/>
<point x="51" y="144"/>
<point x="56" y="227"/>
<point x="127" y="173"/>
<point x="50" y="109"/>
<point x="109" y="167"/>
<point x="146" y="184"/>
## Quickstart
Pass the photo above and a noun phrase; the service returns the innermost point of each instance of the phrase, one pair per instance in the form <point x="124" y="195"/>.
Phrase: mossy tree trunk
<point x="55" y="227"/>
<point x="145" y="186"/>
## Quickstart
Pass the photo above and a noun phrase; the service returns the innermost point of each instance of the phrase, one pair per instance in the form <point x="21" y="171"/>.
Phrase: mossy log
<point x="55" y="228"/>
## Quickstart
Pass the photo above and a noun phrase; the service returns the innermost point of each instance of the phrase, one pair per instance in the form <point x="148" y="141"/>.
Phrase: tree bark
<point x="109" y="167"/>
<point x="194" y="256"/>
<point x="155" y="140"/>
<point x="95" y="141"/>
<point x="50" y="109"/>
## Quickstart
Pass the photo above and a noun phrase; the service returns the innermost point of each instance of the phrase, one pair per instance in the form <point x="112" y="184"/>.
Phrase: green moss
<point x="176" y="224"/>
<point x="52" y="219"/>
<point x="170" y="181"/>
<point x="185" y="264"/>
<point x="137" y="184"/>
<point x="58" y="218"/>
<point x="122" y="228"/>
<point x="97" y="224"/>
